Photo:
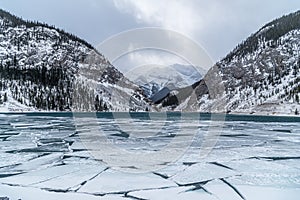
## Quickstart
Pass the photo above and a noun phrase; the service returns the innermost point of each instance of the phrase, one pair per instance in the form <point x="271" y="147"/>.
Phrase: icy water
<point x="148" y="156"/>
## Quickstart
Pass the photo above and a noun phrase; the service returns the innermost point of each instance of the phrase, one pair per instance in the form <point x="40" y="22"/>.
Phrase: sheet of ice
<point x="177" y="193"/>
<point x="251" y="156"/>
<point x="269" y="193"/>
<point x="112" y="181"/>
<point x="30" y="193"/>
<point x="73" y="180"/>
<point x="222" y="191"/>
<point x="38" y="176"/>
<point x="18" y="142"/>
<point x="265" y="173"/>
<point x="40" y="162"/>
<point x="8" y="159"/>
<point x="202" y="172"/>
<point x="80" y="153"/>
<point x="172" y="169"/>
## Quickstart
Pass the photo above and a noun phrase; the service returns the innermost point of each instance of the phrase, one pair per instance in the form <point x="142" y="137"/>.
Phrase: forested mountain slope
<point x="261" y="75"/>
<point x="45" y="68"/>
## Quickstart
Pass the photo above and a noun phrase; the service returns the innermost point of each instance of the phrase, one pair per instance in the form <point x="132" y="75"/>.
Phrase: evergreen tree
<point x="5" y="97"/>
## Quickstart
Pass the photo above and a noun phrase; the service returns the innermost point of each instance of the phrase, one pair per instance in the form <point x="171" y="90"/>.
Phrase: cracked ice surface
<point x="42" y="156"/>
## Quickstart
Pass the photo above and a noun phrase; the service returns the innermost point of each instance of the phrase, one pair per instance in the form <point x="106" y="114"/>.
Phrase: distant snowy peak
<point x="153" y="79"/>
<point x="45" y="68"/>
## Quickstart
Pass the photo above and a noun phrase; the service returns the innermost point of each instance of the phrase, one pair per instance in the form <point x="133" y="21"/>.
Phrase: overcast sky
<point x="217" y="25"/>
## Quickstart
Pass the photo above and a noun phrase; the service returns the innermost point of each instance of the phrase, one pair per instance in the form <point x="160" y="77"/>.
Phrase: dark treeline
<point x="48" y="89"/>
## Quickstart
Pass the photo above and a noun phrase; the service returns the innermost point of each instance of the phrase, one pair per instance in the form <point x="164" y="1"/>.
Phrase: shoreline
<point x="260" y="114"/>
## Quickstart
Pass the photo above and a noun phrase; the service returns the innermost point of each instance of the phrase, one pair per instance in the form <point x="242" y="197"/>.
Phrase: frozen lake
<point x="148" y="156"/>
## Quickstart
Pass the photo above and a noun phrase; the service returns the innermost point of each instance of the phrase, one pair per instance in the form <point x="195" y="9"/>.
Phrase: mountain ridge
<point x="155" y="78"/>
<point x="16" y="21"/>
<point x="261" y="75"/>
<point x="45" y="68"/>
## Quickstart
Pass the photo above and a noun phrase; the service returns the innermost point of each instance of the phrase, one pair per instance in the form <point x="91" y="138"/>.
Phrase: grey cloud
<point x="218" y="27"/>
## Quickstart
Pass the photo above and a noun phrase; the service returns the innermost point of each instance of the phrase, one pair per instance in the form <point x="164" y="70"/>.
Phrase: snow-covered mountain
<point x="261" y="75"/>
<point x="153" y="79"/>
<point x="45" y="68"/>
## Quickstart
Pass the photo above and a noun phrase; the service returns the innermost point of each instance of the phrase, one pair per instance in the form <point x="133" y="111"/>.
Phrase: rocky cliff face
<point x="45" y="68"/>
<point x="261" y="75"/>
